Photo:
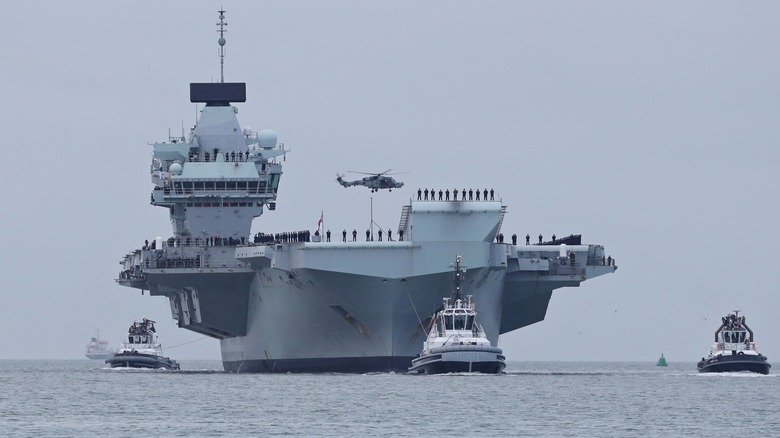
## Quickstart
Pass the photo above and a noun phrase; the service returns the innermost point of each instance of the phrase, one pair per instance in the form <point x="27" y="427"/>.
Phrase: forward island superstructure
<point x="287" y="303"/>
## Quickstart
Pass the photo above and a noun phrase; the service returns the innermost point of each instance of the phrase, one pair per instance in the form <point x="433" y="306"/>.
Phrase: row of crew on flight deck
<point x="605" y="261"/>
<point x="422" y="195"/>
<point x="196" y="241"/>
<point x="233" y="157"/>
<point x="500" y="239"/>
<point x="293" y="236"/>
<point x="369" y="237"/>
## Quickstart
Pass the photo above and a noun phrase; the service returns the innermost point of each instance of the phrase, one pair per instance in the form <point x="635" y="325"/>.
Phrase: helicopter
<point x="376" y="181"/>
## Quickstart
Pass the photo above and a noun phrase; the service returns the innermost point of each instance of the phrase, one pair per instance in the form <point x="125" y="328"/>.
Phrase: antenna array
<point x="222" y="23"/>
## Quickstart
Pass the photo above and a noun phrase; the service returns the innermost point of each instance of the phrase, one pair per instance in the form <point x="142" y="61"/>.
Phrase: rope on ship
<point x="185" y="343"/>
<point x="408" y="294"/>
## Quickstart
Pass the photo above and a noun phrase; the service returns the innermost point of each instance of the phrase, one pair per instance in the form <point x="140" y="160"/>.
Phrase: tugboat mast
<point x="458" y="277"/>
<point x="221" y="42"/>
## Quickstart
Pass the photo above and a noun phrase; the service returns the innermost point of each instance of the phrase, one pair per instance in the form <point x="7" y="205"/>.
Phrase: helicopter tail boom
<point x="345" y="183"/>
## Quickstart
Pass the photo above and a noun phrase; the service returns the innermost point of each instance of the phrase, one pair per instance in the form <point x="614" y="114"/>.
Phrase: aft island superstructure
<point x="293" y="304"/>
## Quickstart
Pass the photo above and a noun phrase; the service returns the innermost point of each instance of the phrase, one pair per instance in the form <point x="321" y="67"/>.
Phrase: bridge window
<point x="734" y="337"/>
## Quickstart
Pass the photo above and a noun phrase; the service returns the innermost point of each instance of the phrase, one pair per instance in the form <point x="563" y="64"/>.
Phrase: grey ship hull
<point x="359" y="306"/>
<point x="98" y="356"/>
<point x="346" y="323"/>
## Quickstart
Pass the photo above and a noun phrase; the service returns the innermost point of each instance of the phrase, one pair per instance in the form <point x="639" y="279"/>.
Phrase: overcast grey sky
<point x="650" y="128"/>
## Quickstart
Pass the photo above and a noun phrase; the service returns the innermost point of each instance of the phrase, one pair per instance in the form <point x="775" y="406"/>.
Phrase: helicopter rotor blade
<point x="372" y="173"/>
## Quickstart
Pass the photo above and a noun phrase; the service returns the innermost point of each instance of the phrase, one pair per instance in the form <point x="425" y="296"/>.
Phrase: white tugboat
<point x="142" y="349"/>
<point x="457" y="342"/>
<point x="734" y="349"/>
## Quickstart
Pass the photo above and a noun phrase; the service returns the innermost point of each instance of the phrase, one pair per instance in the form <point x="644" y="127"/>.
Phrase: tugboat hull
<point x="141" y="360"/>
<point x="460" y="359"/>
<point x="735" y="363"/>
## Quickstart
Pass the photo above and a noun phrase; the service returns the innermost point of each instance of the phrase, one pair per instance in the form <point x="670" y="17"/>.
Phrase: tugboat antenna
<point x="221" y="42"/>
<point x="458" y="276"/>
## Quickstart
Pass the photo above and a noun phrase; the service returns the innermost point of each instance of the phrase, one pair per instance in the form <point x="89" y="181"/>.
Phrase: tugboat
<point x="661" y="361"/>
<point x="734" y="349"/>
<point x="456" y="342"/>
<point x="142" y="349"/>
<point x="98" y="348"/>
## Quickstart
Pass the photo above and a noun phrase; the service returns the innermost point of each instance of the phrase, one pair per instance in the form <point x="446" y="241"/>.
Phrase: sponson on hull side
<point x="287" y="302"/>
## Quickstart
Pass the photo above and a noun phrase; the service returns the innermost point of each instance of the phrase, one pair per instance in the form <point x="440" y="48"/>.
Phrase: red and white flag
<point x="319" y="224"/>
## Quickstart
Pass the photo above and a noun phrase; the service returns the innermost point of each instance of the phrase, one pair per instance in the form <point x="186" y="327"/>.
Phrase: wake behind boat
<point x="734" y="349"/>
<point x="456" y="342"/>
<point x="142" y="349"/>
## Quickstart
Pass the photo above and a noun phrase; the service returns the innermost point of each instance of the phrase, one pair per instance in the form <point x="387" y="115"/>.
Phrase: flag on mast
<point x="319" y="224"/>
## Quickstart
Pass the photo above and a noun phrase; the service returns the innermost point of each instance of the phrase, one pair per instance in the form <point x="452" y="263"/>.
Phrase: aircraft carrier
<point x="289" y="302"/>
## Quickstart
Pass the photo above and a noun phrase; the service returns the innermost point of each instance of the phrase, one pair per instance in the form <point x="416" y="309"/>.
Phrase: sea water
<point x="562" y="399"/>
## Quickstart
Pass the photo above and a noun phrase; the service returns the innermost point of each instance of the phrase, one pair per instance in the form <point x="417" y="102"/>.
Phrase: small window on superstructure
<point x="448" y="322"/>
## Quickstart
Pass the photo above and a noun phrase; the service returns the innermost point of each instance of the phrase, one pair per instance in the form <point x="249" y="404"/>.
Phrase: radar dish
<point x="267" y="138"/>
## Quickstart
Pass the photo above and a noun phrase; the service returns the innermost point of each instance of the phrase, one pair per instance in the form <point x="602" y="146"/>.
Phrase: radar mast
<point x="222" y="23"/>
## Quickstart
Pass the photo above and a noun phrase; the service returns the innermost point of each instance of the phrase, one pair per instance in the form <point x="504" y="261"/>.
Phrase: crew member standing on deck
<point x="344" y="235"/>
<point x="354" y="235"/>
